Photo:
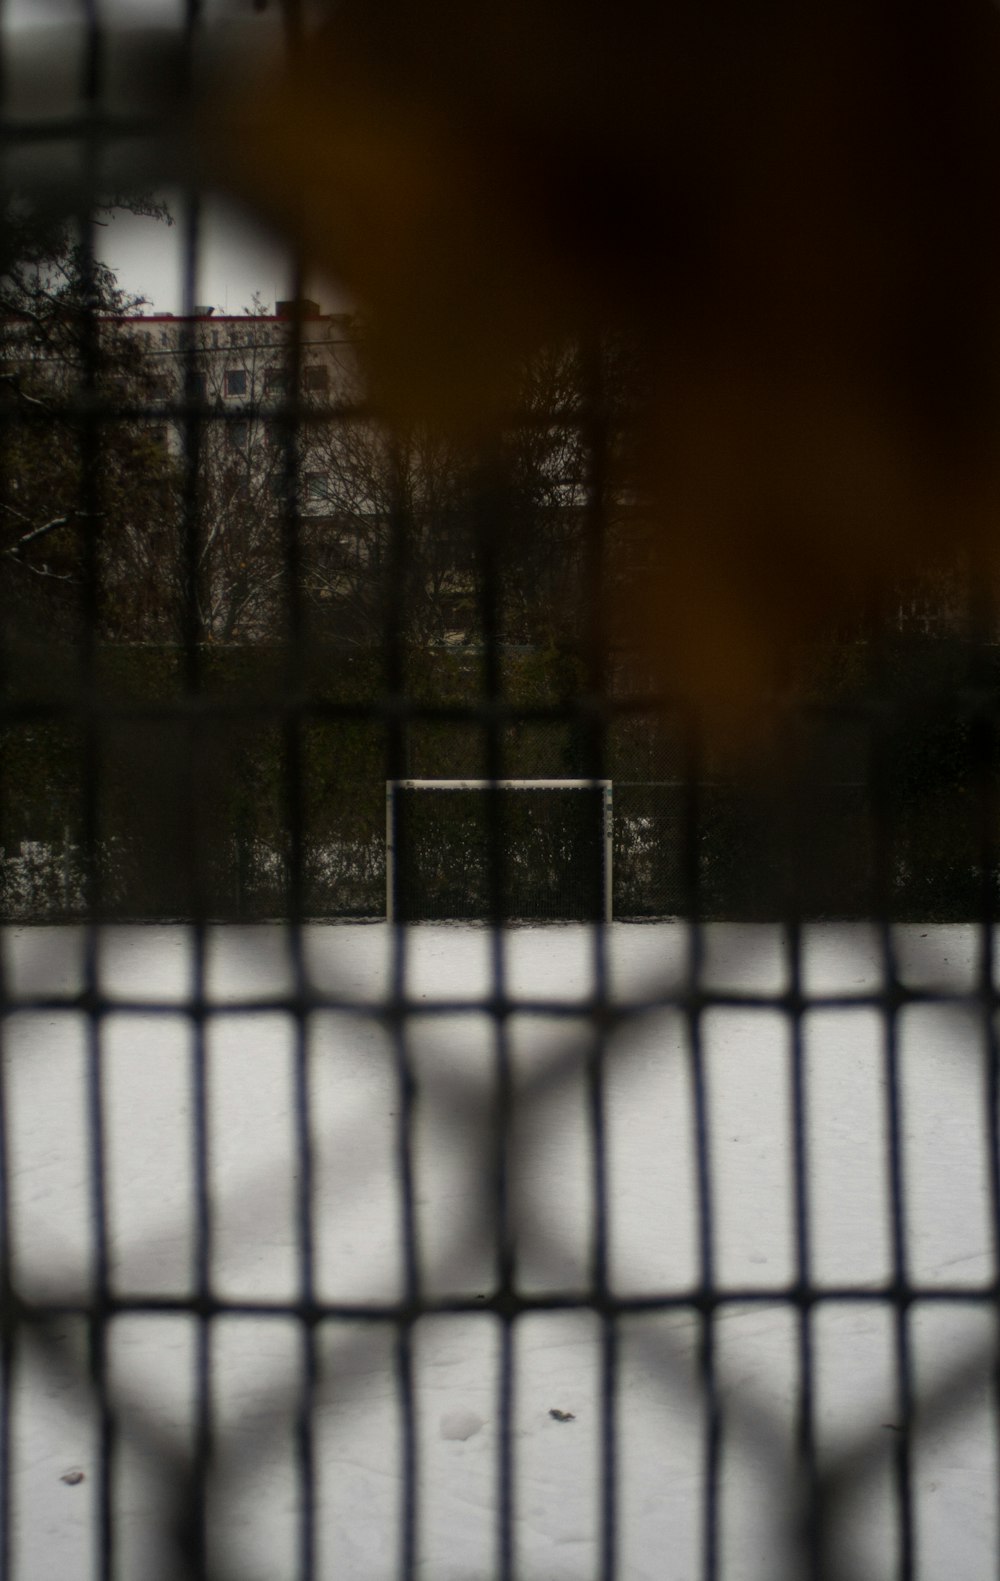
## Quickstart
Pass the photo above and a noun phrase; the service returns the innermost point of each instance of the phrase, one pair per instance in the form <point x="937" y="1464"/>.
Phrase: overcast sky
<point x="236" y="258"/>
<point x="144" y="13"/>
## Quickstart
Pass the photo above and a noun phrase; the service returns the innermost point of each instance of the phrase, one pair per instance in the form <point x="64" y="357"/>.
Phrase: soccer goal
<point x="518" y="849"/>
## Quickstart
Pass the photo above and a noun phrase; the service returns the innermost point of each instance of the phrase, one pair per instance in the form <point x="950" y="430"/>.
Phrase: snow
<point x="548" y="977"/>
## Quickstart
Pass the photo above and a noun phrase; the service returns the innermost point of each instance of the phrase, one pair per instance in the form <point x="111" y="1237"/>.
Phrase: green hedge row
<point x="877" y="794"/>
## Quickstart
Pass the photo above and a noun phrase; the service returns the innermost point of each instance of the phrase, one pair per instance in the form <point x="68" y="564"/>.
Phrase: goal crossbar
<point x="604" y="786"/>
<point x="521" y="784"/>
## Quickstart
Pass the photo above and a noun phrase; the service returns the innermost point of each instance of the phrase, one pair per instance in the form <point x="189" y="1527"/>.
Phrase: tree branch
<point x="15" y="549"/>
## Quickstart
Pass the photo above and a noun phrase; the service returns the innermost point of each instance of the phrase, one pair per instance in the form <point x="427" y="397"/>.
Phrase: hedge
<point x="194" y="800"/>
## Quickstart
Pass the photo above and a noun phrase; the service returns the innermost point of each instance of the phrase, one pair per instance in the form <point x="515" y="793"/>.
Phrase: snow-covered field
<point x="358" y="1246"/>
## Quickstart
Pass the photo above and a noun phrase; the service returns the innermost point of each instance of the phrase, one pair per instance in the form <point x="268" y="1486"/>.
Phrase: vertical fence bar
<point x="8" y="1314"/>
<point x="395" y="719"/>
<point x="92" y="86"/>
<point x="804" y="1286"/>
<point x="196" y="1523"/>
<point x="900" y="1292"/>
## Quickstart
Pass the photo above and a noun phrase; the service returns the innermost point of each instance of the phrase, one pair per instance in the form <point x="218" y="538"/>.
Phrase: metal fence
<point x="319" y="1356"/>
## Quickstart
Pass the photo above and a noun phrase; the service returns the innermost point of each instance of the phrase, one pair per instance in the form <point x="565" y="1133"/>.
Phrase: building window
<point x="236" y="381"/>
<point x="275" y="381"/>
<point x="316" y="377"/>
<point x="238" y="435"/>
<point x="317" y="487"/>
<point x="197" y="386"/>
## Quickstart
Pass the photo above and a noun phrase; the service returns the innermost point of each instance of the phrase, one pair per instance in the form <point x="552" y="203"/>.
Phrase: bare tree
<point x="387" y="529"/>
<point x="87" y="495"/>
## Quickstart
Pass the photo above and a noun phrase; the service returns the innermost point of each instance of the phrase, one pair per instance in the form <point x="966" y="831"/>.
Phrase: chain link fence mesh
<point x="157" y="776"/>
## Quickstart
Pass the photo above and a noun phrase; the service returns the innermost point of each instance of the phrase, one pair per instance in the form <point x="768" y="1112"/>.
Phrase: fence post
<point x="390" y="851"/>
<point x="609" y="825"/>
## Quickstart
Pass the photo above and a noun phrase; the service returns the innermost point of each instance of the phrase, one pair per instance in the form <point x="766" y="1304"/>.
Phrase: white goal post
<point x="607" y="820"/>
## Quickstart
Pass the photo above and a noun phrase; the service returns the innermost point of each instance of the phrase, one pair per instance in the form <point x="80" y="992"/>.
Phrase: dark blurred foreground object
<point x="792" y="212"/>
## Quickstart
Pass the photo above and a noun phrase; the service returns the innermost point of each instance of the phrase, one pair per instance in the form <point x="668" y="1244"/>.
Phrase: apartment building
<point x="235" y="373"/>
<point x="250" y="427"/>
<point x="269" y="396"/>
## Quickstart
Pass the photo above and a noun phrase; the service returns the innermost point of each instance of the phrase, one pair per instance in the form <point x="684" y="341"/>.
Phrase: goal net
<point x="512" y="850"/>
